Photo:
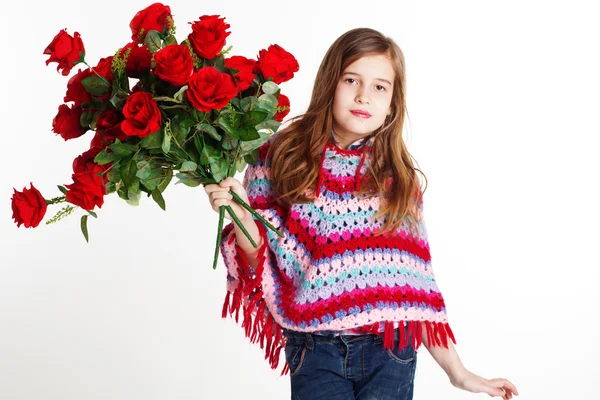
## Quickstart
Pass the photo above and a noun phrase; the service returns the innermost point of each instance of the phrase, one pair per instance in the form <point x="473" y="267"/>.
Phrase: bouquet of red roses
<point x="159" y="108"/>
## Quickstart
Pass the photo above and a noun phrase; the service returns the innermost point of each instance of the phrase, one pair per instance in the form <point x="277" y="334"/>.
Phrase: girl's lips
<point x="360" y="114"/>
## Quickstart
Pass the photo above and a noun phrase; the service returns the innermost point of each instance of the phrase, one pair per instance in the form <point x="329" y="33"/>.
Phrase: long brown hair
<point x="296" y="150"/>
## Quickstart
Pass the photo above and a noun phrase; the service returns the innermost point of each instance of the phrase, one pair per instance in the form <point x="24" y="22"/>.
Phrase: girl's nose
<point x="362" y="98"/>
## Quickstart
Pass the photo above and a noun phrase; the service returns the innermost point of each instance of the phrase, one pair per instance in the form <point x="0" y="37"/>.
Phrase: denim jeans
<point x="347" y="367"/>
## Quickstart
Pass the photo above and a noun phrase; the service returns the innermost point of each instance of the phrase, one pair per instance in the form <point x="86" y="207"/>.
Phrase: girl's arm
<point x="460" y="377"/>
<point x="249" y="250"/>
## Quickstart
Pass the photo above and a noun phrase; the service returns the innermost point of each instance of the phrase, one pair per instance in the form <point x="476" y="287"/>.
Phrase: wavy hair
<point x="296" y="151"/>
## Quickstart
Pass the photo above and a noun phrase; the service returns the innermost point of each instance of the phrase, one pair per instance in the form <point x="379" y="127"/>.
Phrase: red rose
<point x="210" y="89"/>
<point x="87" y="190"/>
<point x="77" y="93"/>
<point x="283" y="107"/>
<point x="67" y="122"/>
<point x="75" y="90"/>
<point x="154" y="17"/>
<point x="246" y="67"/>
<point x="104" y="69"/>
<point x="208" y="36"/>
<point x="109" y="123"/>
<point x="138" y="60"/>
<point x="174" y="64"/>
<point x="85" y="161"/>
<point x="142" y="115"/>
<point x="108" y="128"/>
<point x="64" y="49"/>
<point x="29" y="207"/>
<point x="277" y="63"/>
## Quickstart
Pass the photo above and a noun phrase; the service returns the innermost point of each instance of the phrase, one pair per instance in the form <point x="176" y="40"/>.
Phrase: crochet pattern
<point x="328" y="272"/>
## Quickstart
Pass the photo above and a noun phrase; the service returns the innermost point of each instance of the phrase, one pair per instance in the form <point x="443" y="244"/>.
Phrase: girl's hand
<point x="493" y="387"/>
<point x="218" y="195"/>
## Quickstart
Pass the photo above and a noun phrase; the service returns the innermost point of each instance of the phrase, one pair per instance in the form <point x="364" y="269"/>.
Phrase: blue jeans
<point x="346" y="367"/>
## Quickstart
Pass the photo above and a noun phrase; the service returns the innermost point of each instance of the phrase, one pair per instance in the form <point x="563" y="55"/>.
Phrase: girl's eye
<point x="378" y="88"/>
<point x="349" y="79"/>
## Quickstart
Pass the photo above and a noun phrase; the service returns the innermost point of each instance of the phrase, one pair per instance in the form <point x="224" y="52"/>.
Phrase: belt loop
<point x="378" y="339"/>
<point x="310" y="343"/>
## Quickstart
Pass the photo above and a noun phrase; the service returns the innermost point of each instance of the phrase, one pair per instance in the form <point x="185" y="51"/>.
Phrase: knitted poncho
<point x="328" y="272"/>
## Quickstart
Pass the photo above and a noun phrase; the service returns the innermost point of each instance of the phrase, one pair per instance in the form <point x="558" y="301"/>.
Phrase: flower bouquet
<point x="161" y="108"/>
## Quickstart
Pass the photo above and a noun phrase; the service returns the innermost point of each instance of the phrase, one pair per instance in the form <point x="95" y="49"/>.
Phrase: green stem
<point x="56" y="200"/>
<point x="241" y="202"/>
<point x="219" y="235"/>
<point x="242" y="227"/>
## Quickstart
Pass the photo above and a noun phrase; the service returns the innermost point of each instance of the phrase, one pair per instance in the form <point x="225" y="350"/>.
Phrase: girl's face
<point x="363" y="98"/>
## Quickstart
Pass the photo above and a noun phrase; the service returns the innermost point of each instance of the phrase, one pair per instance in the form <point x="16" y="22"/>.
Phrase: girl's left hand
<point x="493" y="387"/>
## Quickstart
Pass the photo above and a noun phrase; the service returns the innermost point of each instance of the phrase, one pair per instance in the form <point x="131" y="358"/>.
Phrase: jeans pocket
<point x="405" y="355"/>
<point x="294" y="355"/>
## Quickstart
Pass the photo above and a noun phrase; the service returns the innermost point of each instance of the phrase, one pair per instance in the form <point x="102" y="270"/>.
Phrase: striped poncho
<point x="328" y="272"/>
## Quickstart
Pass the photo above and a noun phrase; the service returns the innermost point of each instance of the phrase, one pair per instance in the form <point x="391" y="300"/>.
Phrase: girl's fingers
<point x="505" y="384"/>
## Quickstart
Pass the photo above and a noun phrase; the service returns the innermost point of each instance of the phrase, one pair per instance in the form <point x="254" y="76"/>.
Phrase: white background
<point x="503" y="103"/>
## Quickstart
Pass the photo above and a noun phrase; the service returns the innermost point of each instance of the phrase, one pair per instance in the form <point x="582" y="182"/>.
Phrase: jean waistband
<point x="312" y="338"/>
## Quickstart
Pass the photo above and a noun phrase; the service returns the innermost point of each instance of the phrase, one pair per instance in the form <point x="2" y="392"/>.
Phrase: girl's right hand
<point x="218" y="195"/>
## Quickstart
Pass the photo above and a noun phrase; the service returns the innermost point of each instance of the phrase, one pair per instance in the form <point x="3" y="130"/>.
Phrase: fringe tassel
<point x="403" y="335"/>
<point x="419" y="334"/>
<point x="438" y="333"/>
<point x="226" y="305"/>
<point x="258" y="323"/>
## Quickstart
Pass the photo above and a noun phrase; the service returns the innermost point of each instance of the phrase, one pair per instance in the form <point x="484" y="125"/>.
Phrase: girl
<point x="348" y="293"/>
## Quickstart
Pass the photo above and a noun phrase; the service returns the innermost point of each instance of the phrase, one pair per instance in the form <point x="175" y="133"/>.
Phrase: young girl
<point x="348" y="293"/>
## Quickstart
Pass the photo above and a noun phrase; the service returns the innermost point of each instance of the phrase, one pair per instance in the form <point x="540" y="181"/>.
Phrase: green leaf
<point x="158" y="198"/>
<point x="123" y="149"/>
<point x="84" y="228"/>
<point x="153" y="40"/>
<point x="62" y="189"/>
<point x="86" y="118"/>
<point x="270" y="87"/>
<point x="209" y="154"/>
<point x="143" y="169"/>
<point x="187" y="179"/>
<point x="157" y="176"/>
<point x="96" y="85"/>
<point x="93" y="214"/>
<point x="133" y="197"/>
<point x="153" y="141"/>
<point x="254" y="117"/>
<point x="208" y="128"/>
<point x="114" y="175"/>
<point x="236" y="103"/>
<point x="268" y="99"/>
<point x="219" y="169"/>
<point x="168" y="176"/>
<point x="224" y="124"/>
<point x="188" y="166"/>
<point x="104" y="157"/>
<point x="128" y="171"/>
<point x="219" y="63"/>
<point x="241" y="164"/>
<point x="110" y="187"/>
<point x="252" y="157"/>
<point x="166" y="144"/>
<point x="247" y="133"/>
<point x="248" y="103"/>
<point x="269" y="124"/>
<point x="122" y="192"/>
<point x="181" y="129"/>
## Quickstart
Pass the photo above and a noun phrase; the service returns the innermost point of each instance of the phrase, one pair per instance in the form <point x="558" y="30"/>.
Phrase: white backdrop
<point x="503" y="104"/>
